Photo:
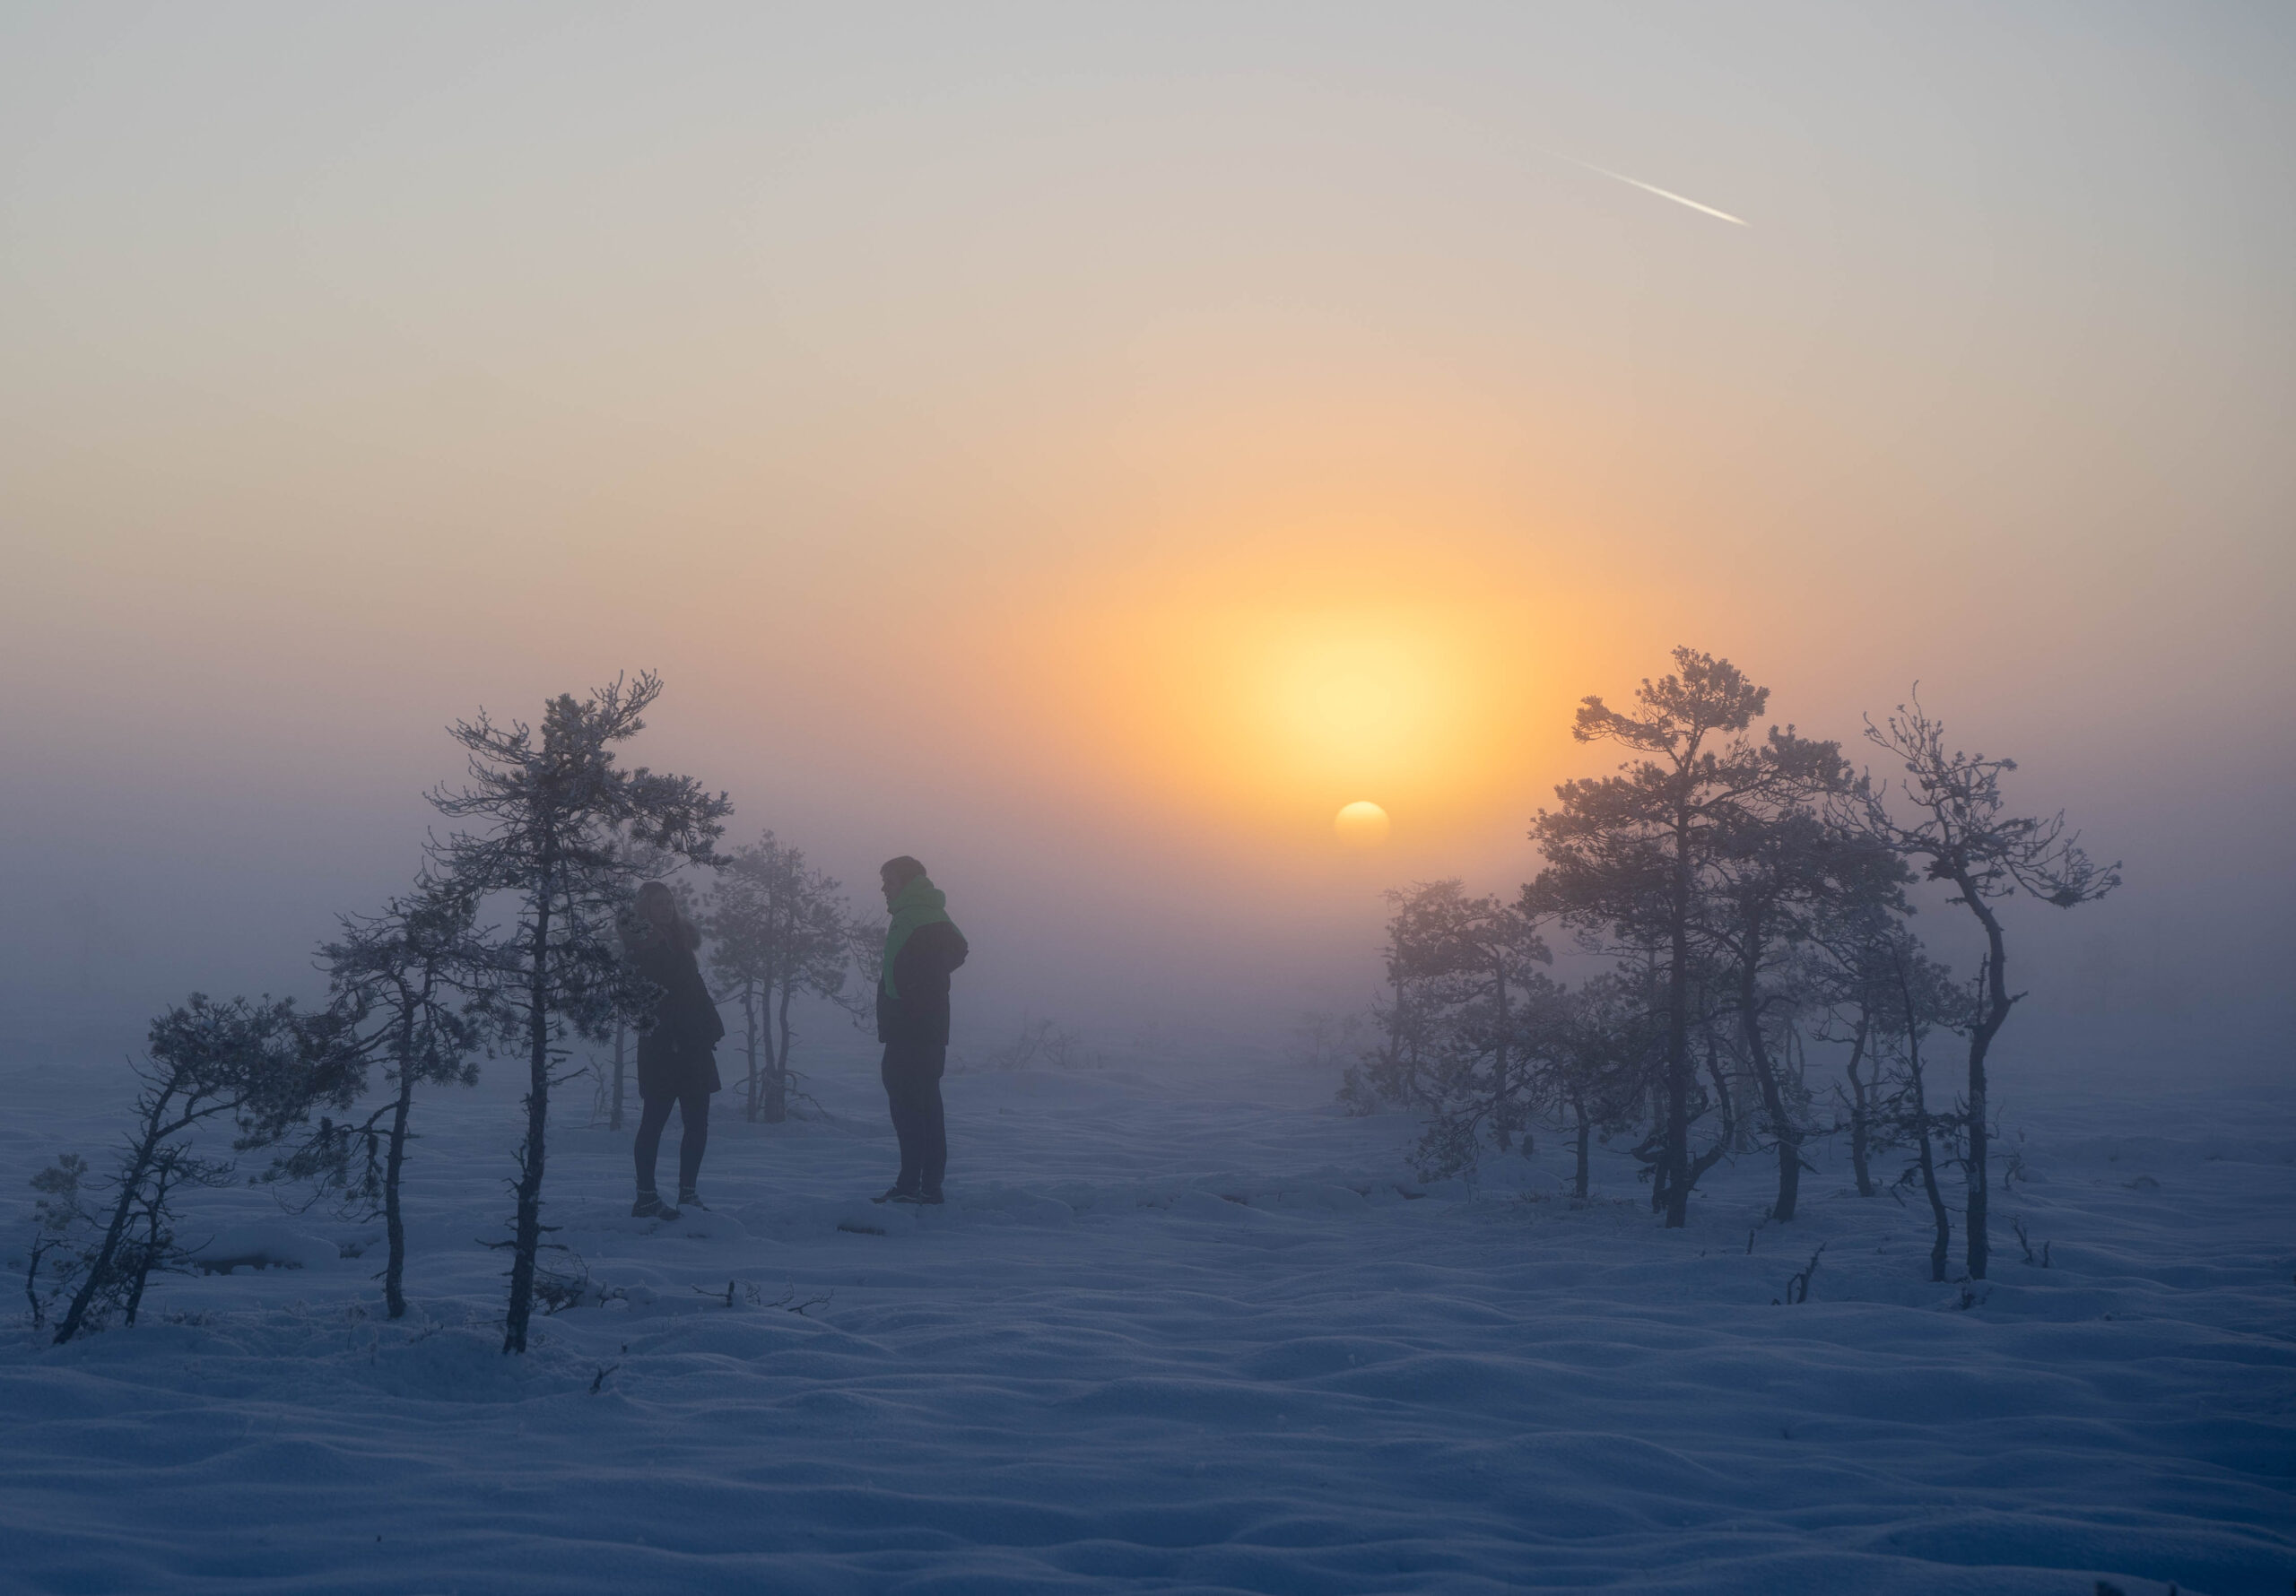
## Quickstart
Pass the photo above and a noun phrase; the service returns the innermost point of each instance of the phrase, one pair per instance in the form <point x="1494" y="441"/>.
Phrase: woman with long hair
<point x="677" y="1062"/>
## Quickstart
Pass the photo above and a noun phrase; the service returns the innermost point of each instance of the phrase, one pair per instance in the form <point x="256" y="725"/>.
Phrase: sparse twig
<point x="750" y="1291"/>
<point x="1798" y="1285"/>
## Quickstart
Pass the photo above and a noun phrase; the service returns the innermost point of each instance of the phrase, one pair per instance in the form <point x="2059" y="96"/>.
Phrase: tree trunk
<point x="1861" y="1110"/>
<point x="1502" y="1096"/>
<point x="1578" y="1188"/>
<point x="1670" y="1191"/>
<point x="620" y="1033"/>
<point x="751" y="1086"/>
<point x="100" y="1271"/>
<point x="1773" y="1091"/>
<point x="526" y="1238"/>
<point x="1939" y="1214"/>
<point x="1997" y="1003"/>
<point x="393" y="1164"/>
<point x="150" y="1257"/>
<point x="776" y="1085"/>
<point x="1730" y="1121"/>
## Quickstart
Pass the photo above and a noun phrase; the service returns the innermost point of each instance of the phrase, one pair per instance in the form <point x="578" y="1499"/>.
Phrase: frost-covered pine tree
<point x="417" y="985"/>
<point x="1957" y="830"/>
<point x="549" y="810"/>
<point x="1633" y="862"/>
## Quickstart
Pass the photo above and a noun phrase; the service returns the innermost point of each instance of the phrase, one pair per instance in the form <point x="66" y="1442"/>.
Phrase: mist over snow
<point x="1184" y="1325"/>
<point x="1592" y="711"/>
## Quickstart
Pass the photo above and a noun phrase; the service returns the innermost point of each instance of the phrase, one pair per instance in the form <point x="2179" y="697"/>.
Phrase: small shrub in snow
<point x="750" y="1292"/>
<point x="1042" y="1044"/>
<point x="1797" y="1284"/>
<point x="559" y="1290"/>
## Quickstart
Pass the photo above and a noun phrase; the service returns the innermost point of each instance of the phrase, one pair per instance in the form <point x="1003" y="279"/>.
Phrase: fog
<point x="1224" y="487"/>
<point x="1002" y="431"/>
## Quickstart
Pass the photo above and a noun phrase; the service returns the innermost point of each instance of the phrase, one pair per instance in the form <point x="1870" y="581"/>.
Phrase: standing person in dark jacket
<point x="922" y="946"/>
<point x="677" y="1062"/>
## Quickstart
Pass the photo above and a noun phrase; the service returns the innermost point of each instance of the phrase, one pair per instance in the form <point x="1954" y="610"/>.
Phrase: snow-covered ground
<point x="1181" y="1329"/>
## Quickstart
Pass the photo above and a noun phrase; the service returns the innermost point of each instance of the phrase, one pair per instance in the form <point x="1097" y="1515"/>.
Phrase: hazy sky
<point x="1084" y="446"/>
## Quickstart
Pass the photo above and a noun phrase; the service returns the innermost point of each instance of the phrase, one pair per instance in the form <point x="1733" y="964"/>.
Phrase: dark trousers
<point x="693" y="1118"/>
<point x="912" y="1077"/>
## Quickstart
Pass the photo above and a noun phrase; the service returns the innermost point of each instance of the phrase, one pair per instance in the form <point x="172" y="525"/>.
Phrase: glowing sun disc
<point x="1361" y="824"/>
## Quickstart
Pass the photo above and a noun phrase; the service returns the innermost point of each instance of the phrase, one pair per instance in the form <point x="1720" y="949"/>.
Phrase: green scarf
<point x="917" y="905"/>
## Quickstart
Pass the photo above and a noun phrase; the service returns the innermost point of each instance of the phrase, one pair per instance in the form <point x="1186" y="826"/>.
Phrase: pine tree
<point x="417" y="985"/>
<point x="552" y="808"/>
<point x="260" y="1065"/>
<point x="1633" y="862"/>
<point x="1958" y="832"/>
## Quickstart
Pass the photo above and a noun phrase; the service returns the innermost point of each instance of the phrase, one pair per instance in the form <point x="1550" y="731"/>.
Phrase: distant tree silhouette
<point x="1319" y="1040"/>
<point x="1598" y="1060"/>
<point x="779" y="930"/>
<point x="417" y="987"/>
<point x="550" y="810"/>
<point x="1483" y="1009"/>
<point x="1424" y="955"/>
<point x="1957" y="830"/>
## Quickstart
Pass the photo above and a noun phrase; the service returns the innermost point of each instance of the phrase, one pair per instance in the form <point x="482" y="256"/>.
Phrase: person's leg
<point x="932" y="1125"/>
<point x="650" y="1124"/>
<point x="899" y="1101"/>
<point x="693" y="1138"/>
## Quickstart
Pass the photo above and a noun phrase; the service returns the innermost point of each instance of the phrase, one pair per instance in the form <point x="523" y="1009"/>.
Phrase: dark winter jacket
<point x="919" y="1016"/>
<point x="676" y="1054"/>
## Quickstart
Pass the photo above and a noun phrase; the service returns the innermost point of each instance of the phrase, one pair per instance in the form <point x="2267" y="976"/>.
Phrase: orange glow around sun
<point x="1268" y="688"/>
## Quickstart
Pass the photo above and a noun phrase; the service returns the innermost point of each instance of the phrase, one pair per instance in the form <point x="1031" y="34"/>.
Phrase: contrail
<point x="1661" y="193"/>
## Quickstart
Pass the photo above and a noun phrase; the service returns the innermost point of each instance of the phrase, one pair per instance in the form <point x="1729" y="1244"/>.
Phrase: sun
<point x="1360" y="825"/>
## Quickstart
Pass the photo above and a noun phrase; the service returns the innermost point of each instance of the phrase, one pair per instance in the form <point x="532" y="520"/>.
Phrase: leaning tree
<point x="551" y="813"/>
<point x="1957" y="830"/>
<point x="260" y="1066"/>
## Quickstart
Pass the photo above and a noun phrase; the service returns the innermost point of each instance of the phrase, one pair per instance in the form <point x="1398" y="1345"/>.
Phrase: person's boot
<point x="930" y="1196"/>
<point x="650" y="1206"/>
<point x="689" y="1199"/>
<point x="898" y="1194"/>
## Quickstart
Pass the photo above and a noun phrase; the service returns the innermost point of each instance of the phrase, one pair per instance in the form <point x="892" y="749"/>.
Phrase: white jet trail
<point x="1661" y="193"/>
